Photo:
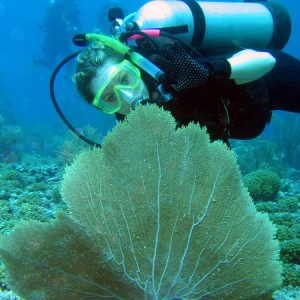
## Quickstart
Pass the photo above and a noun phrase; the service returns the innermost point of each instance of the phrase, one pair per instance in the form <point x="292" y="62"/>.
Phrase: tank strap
<point x="175" y="29"/>
<point x="282" y="25"/>
<point x="199" y="22"/>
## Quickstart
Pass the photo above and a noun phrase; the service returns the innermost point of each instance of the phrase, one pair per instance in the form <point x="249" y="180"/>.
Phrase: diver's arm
<point x="183" y="72"/>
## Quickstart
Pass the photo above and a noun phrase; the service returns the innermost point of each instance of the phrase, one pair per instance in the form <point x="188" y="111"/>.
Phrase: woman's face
<point x="118" y="87"/>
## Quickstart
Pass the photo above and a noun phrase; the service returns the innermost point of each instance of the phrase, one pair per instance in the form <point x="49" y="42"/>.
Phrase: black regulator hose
<point x="56" y="106"/>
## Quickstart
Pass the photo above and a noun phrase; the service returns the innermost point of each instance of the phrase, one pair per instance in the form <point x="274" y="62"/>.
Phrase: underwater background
<point x="35" y="145"/>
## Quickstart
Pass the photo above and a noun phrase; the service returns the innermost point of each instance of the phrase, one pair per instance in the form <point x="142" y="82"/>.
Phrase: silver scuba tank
<point x="218" y="27"/>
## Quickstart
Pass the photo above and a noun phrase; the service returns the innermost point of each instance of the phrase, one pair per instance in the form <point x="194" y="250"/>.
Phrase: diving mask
<point x="122" y="85"/>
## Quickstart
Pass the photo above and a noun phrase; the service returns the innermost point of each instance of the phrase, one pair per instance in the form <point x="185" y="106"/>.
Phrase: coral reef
<point x="30" y="183"/>
<point x="285" y="214"/>
<point x="72" y="145"/>
<point x="10" y="146"/>
<point x="28" y="192"/>
<point x="262" y="185"/>
<point x="156" y="228"/>
<point x="286" y="137"/>
<point x="260" y="154"/>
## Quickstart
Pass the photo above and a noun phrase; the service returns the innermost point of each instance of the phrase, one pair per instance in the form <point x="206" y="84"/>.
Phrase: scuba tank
<point x="218" y="27"/>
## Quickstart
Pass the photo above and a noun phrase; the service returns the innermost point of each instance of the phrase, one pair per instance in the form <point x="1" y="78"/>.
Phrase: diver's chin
<point x="125" y="109"/>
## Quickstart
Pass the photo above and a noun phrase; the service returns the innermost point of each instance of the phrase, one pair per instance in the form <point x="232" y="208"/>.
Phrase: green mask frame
<point x="109" y="98"/>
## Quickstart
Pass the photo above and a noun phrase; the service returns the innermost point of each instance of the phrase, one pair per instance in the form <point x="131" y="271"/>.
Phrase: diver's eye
<point x="123" y="79"/>
<point x="110" y="98"/>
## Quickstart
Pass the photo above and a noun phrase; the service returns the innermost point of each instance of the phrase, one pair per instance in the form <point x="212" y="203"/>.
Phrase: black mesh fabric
<point x="181" y="70"/>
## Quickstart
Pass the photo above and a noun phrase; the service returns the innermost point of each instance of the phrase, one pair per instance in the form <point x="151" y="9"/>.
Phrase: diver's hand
<point x="181" y="70"/>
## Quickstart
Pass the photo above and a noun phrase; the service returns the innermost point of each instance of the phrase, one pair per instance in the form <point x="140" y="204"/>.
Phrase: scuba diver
<point x="232" y="94"/>
<point x="61" y="21"/>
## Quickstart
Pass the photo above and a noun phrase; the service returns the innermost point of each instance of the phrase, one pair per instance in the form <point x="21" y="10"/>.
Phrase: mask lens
<point x="117" y="87"/>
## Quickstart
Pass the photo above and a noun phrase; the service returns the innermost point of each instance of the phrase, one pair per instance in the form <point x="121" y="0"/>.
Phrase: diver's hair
<point x="88" y="62"/>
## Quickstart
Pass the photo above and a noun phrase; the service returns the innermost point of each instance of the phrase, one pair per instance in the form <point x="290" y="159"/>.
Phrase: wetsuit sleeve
<point x="283" y="82"/>
<point x="219" y="68"/>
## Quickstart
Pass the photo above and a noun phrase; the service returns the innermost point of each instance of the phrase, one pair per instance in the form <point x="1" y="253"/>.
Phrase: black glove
<point x="181" y="71"/>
